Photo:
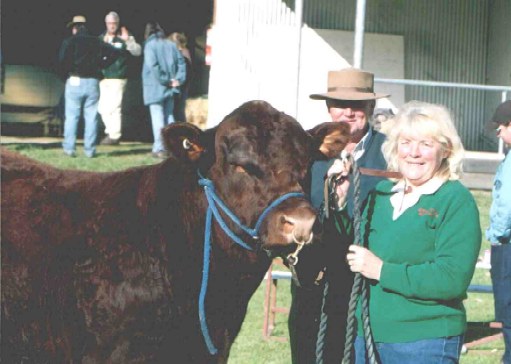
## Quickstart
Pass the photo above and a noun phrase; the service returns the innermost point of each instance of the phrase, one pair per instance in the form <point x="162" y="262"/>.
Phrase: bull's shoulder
<point x="16" y="166"/>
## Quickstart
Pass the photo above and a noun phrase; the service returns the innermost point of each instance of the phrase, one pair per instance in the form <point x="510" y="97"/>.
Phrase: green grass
<point x="108" y="158"/>
<point x="250" y="347"/>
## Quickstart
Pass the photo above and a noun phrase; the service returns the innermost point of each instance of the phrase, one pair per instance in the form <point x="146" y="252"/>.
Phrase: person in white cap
<point x="350" y="99"/>
<point x="499" y="231"/>
<point x="115" y="77"/>
<point x="81" y="58"/>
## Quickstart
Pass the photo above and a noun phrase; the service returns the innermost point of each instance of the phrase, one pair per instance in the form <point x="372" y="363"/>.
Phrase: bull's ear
<point x="329" y="139"/>
<point x="187" y="142"/>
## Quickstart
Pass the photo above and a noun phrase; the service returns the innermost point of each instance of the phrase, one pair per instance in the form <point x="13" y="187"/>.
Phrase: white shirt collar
<point x="401" y="201"/>
<point x="360" y="148"/>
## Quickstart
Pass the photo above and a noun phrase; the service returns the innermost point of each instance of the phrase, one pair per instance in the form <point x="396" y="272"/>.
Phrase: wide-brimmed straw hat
<point x="349" y="84"/>
<point x="77" y="19"/>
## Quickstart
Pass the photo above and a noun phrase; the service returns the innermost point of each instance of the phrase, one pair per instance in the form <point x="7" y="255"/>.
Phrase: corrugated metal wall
<point x="444" y="41"/>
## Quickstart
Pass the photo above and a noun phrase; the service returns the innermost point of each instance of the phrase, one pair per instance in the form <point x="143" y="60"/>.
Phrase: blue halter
<point x="212" y="211"/>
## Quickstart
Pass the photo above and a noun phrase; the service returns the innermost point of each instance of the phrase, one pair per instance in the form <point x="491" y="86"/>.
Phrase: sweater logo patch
<point x="428" y="212"/>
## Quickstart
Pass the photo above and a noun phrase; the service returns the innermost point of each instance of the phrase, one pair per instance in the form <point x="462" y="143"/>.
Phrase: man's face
<point x="355" y="113"/>
<point x="111" y="25"/>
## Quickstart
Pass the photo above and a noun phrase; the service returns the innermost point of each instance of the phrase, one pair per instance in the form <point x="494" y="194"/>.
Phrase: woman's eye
<point x="428" y="144"/>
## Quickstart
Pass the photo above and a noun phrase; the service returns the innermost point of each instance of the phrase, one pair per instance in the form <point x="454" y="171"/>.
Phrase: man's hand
<point x="174" y="83"/>
<point x="124" y="34"/>
<point x="341" y="168"/>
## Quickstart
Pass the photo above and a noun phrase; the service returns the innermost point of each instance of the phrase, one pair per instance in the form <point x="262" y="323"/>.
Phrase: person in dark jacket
<point x="81" y="58"/>
<point x="115" y="77"/>
<point x="350" y="99"/>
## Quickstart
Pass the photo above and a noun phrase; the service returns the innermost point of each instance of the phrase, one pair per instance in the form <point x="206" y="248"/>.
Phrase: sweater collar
<point x="404" y="196"/>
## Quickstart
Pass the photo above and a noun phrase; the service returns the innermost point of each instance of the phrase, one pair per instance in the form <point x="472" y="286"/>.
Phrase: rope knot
<point x="204" y="182"/>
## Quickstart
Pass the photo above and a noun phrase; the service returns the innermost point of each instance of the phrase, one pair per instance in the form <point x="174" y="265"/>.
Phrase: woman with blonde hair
<point x="180" y="108"/>
<point x="421" y="238"/>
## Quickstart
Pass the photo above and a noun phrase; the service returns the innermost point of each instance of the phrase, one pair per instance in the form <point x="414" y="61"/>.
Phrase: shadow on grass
<point x="479" y="330"/>
<point x="28" y="146"/>
<point x="120" y="153"/>
<point x="124" y="149"/>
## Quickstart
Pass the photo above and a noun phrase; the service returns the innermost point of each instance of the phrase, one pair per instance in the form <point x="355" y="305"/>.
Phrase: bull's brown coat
<point x="106" y="267"/>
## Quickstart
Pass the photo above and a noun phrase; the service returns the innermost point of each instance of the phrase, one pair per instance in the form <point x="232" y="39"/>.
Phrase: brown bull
<point x="107" y="267"/>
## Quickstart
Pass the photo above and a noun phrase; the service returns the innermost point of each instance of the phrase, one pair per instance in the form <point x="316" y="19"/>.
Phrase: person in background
<point x="180" y="103"/>
<point x="421" y="239"/>
<point x="350" y="99"/>
<point x="163" y="71"/>
<point x="115" y="77"/>
<point x="499" y="231"/>
<point x="81" y="59"/>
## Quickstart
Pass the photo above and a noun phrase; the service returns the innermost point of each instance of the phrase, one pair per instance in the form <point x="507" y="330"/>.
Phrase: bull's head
<point x="255" y="155"/>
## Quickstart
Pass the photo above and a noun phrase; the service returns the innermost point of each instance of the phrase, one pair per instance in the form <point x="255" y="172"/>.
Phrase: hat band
<point x="356" y="89"/>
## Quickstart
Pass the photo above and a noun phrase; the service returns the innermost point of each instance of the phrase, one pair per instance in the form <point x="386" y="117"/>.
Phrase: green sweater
<point x="429" y="254"/>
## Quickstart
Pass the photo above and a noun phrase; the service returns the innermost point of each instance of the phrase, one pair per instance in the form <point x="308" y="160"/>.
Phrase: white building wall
<point x="255" y="55"/>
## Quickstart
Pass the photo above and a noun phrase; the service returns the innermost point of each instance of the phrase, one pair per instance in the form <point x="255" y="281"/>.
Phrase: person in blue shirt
<point x="499" y="231"/>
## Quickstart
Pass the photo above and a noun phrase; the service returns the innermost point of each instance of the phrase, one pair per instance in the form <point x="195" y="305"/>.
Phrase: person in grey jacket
<point x="163" y="71"/>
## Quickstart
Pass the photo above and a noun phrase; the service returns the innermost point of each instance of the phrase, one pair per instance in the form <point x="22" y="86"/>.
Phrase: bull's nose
<point x="298" y="229"/>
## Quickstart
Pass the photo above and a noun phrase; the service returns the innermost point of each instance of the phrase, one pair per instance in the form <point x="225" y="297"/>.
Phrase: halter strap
<point x="213" y="212"/>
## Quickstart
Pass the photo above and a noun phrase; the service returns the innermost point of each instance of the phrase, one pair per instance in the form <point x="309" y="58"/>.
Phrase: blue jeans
<point x="442" y="350"/>
<point x="86" y="96"/>
<point x="161" y="116"/>
<point x="501" y="280"/>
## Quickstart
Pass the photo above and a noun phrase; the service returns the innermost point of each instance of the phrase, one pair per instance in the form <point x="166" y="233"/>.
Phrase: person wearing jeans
<point x="81" y="58"/>
<point x="161" y="115"/>
<point x="163" y="71"/>
<point x="499" y="231"/>
<point x="81" y="92"/>
<point x="420" y="238"/>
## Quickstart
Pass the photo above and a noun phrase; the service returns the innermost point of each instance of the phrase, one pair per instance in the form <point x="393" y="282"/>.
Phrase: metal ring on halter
<point x="293" y="257"/>
<point x="186" y="144"/>
<point x="302" y="243"/>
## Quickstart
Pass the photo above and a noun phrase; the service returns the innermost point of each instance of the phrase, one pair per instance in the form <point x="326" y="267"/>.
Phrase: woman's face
<point x="419" y="157"/>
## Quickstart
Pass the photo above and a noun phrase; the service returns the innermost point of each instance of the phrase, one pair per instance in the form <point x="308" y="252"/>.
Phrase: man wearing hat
<point x="350" y="98"/>
<point x="499" y="231"/>
<point x="81" y="58"/>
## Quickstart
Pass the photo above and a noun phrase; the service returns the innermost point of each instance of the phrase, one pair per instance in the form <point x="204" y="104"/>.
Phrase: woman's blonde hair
<point x="432" y="121"/>
<point x="180" y="39"/>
